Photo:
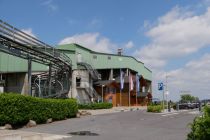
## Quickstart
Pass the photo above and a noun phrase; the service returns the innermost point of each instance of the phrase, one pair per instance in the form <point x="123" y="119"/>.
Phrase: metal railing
<point x="16" y="42"/>
<point x="93" y="72"/>
<point x="17" y="39"/>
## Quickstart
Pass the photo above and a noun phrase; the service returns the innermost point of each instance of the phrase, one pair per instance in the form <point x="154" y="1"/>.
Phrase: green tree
<point x="200" y="128"/>
<point x="188" y="98"/>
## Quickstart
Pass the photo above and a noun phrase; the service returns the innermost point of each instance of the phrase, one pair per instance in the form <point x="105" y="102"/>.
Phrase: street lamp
<point x="166" y="95"/>
<point x="167" y="91"/>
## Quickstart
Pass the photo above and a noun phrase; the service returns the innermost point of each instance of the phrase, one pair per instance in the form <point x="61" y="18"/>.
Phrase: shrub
<point x="17" y="109"/>
<point x="200" y="128"/>
<point x="154" y="108"/>
<point x="95" y="106"/>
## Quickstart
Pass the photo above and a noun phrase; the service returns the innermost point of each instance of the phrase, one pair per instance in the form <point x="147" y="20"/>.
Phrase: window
<point x="94" y="56"/>
<point x="78" y="81"/>
<point x="109" y="57"/>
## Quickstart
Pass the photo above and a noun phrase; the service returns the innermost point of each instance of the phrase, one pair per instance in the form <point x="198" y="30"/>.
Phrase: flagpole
<point x="129" y="94"/>
<point x="120" y="88"/>
<point x="120" y="97"/>
<point x="136" y="88"/>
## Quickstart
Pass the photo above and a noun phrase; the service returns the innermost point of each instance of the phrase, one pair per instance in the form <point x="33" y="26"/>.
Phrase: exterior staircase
<point x="93" y="72"/>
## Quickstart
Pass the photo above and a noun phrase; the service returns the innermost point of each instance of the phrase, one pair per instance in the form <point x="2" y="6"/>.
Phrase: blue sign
<point x="160" y="86"/>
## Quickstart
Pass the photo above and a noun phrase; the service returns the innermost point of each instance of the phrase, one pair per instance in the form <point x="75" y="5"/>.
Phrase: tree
<point x="188" y="98"/>
<point x="200" y="128"/>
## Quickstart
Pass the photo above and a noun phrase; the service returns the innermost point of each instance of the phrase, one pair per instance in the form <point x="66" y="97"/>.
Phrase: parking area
<point x="131" y="125"/>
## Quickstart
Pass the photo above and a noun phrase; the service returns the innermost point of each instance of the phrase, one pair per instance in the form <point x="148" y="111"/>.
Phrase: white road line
<point x="194" y="112"/>
<point x="169" y="114"/>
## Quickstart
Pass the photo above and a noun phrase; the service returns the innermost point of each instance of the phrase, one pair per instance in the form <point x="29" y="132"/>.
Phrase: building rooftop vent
<point x="119" y="51"/>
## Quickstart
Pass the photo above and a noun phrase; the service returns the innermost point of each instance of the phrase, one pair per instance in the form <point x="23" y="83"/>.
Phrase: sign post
<point x="160" y="88"/>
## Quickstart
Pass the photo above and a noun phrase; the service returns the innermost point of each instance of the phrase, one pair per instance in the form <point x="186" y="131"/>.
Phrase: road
<point x="131" y="125"/>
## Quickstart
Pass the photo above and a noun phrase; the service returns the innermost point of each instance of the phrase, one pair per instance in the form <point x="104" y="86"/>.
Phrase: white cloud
<point x="29" y="31"/>
<point x="93" y="41"/>
<point x="50" y="5"/>
<point x="193" y="77"/>
<point x="177" y="34"/>
<point x="94" y="24"/>
<point x="129" y="45"/>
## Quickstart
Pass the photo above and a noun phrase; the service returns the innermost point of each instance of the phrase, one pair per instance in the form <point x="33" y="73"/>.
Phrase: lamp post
<point x="167" y="91"/>
<point x="166" y="94"/>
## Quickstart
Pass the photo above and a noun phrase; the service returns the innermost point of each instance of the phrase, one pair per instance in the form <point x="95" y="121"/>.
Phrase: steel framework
<point x="15" y="42"/>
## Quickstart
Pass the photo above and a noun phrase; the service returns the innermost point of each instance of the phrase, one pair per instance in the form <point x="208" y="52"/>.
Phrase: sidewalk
<point x="26" y="135"/>
<point x="115" y="110"/>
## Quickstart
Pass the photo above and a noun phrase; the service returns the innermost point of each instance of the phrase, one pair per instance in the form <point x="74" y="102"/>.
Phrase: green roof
<point x="105" y="60"/>
<point x="98" y="60"/>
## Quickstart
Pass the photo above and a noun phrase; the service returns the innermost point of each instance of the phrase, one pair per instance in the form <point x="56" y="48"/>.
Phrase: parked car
<point x="189" y="105"/>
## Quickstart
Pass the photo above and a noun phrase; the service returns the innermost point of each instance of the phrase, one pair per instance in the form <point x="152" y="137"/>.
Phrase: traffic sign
<point x="160" y="86"/>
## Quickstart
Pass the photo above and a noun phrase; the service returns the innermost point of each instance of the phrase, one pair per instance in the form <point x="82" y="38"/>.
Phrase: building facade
<point x="95" y="77"/>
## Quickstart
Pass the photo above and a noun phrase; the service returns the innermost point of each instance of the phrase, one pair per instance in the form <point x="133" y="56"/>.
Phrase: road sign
<point x="160" y="86"/>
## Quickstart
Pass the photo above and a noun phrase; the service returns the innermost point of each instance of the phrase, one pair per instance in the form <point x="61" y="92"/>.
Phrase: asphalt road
<point x="132" y="125"/>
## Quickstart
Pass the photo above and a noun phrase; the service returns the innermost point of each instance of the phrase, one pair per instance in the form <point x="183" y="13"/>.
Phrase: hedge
<point x="95" y="106"/>
<point x="17" y="109"/>
<point x="154" y="108"/>
<point x="200" y="128"/>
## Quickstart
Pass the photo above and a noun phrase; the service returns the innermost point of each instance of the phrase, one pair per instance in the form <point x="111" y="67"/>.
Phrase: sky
<point x="171" y="37"/>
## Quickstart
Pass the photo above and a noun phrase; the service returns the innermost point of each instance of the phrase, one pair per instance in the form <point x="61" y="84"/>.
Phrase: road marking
<point x="169" y="114"/>
<point x="194" y="112"/>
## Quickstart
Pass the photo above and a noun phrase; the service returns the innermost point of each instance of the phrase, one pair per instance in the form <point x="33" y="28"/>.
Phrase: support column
<point x="129" y="93"/>
<point x="49" y="80"/>
<point x="121" y="76"/>
<point x="29" y="76"/>
<point x="111" y="74"/>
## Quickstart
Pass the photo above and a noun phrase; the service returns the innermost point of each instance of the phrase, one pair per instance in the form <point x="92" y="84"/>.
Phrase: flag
<point x="131" y="82"/>
<point x="137" y="83"/>
<point x="122" y="75"/>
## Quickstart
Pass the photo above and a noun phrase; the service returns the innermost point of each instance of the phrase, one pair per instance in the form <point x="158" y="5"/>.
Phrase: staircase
<point x="93" y="72"/>
<point x="91" y="92"/>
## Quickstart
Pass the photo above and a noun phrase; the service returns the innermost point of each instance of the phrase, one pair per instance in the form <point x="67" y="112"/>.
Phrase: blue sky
<point x="119" y="20"/>
<point x="167" y="35"/>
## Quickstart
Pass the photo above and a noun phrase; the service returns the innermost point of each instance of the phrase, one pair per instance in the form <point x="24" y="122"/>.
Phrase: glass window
<point x="94" y="56"/>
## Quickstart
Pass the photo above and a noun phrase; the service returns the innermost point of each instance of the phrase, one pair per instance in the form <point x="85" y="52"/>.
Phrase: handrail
<point x="31" y="42"/>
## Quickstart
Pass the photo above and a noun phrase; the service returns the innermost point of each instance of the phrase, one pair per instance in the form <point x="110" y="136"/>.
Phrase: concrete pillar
<point x="29" y="76"/>
<point x="111" y="74"/>
<point x="25" y="87"/>
<point x="49" y="80"/>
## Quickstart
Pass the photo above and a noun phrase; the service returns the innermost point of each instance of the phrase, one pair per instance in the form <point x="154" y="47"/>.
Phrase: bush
<point x="95" y="106"/>
<point x="154" y="108"/>
<point x="200" y="128"/>
<point x="17" y="109"/>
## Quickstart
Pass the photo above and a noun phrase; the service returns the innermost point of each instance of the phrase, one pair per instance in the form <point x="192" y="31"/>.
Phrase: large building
<point x="29" y="66"/>
<point x="96" y="74"/>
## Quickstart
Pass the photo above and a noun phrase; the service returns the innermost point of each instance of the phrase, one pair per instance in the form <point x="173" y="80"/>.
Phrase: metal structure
<point x="93" y="72"/>
<point x="92" y="93"/>
<point x="55" y="82"/>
